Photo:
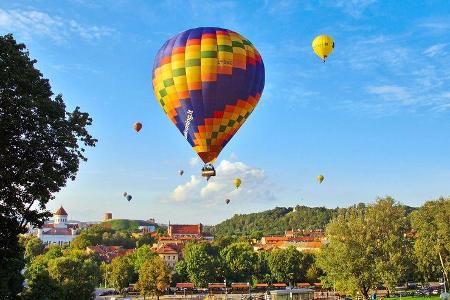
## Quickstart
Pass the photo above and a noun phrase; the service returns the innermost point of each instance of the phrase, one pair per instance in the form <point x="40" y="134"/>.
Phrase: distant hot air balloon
<point x="125" y="194"/>
<point x="181" y="172"/>
<point x="208" y="81"/>
<point x="227" y="201"/>
<point x="320" y="178"/>
<point x="323" y="45"/>
<point x="137" y="126"/>
<point x="237" y="182"/>
<point x="129" y="197"/>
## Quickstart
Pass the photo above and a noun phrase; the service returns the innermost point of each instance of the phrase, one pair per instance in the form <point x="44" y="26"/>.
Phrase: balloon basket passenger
<point x="208" y="171"/>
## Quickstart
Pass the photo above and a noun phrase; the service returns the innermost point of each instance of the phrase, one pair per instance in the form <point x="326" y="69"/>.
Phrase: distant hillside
<point x="274" y="221"/>
<point x="126" y="224"/>
<point x="277" y="221"/>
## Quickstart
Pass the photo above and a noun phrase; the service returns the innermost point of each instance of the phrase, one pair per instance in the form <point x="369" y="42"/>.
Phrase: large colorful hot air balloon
<point x="208" y="81"/>
<point x="323" y="45"/>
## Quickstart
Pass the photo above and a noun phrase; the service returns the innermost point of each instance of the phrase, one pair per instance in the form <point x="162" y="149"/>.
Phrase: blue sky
<point x="374" y="119"/>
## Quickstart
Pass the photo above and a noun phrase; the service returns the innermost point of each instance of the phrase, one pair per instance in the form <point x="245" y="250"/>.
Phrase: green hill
<point x="274" y="221"/>
<point x="126" y="224"/>
<point x="277" y="221"/>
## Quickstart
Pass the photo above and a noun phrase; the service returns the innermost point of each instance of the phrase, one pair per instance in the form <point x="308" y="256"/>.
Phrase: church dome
<point x="60" y="212"/>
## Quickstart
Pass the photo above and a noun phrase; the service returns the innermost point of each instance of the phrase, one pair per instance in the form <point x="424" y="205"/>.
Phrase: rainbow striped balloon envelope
<point x="208" y="81"/>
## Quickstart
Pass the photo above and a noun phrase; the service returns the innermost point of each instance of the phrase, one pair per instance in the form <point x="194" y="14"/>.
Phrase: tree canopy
<point x="41" y="146"/>
<point x="366" y="246"/>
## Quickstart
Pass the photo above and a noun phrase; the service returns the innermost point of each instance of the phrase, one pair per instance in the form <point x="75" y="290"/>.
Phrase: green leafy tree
<point x="201" y="263"/>
<point x="240" y="261"/>
<point x="140" y="256"/>
<point x="180" y="272"/>
<point x="39" y="152"/>
<point x="120" y="273"/>
<point x="154" y="277"/>
<point x="432" y="246"/>
<point x="77" y="278"/>
<point x="287" y="265"/>
<point x="33" y="248"/>
<point x="145" y="239"/>
<point x="40" y="285"/>
<point x="53" y="251"/>
<point x="367" y="245"/>
<point x="262" y="270"/>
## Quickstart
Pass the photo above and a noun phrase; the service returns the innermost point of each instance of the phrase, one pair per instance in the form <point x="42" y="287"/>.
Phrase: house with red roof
<point x="169" y="253"/>
<point x="60" y="231"/>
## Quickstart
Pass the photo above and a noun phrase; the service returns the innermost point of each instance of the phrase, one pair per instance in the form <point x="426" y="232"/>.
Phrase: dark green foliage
<point x="41" y="146"/>
<point x="274" y="221"/>
<point x="62" y="275"/>
<point x="239" y="262"/>
<point x="202" y="263"/>
<point x="125" y="224"/>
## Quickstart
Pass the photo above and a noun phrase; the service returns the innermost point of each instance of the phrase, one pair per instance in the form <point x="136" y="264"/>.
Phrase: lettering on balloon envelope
<point x="189" y="118"/>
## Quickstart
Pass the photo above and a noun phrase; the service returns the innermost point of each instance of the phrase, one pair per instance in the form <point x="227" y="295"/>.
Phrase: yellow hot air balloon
<point x="237" y="182"/>
<point x="323" y="45"/>
<point x="320" y="178"/>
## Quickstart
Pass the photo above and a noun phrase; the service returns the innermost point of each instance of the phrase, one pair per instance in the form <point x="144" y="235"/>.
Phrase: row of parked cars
<point x="428" y="291"/>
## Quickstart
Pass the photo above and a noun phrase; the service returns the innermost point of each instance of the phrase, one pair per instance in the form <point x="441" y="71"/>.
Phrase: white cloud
<point x="436" y="25"/>
<point x="184" y="191"/>
<point x="391" y="93"/>
<point x="435" y="50"/>
<point x="354" y="8"/>
<point x="211" y="188"/>
<point x="255" y="186"/>
<point x="194" y="161"/>
<point x="32" y="23"/>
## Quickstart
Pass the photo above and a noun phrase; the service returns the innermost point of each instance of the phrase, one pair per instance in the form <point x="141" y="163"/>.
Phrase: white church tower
<point x="60" y="218"/>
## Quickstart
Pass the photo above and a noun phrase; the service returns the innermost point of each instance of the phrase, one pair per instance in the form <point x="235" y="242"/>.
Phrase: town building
<point x="108" y="253"/>
<point x="302" y="240"/>
<point x="59" y="232"/>
<point x="170" y="254"/>
<point x="194" y="231"/>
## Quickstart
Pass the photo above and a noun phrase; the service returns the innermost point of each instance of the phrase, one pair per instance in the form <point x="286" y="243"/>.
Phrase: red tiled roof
<point x="48" y="225"/>
<point x="216" y="285"/>
<point x="60" y="212"/>
<point x="274" y="239"/>
<point x="166" y="249"/>
<point x="261" y="285"/>
<point x="240" y="285"/>
<point x="185" y="229"/>
<point x="313" y="244"/>
<point x="185" y="285"/>
<point x="279" y="284"/>
<point x="303" y="284"/>
<point x="58" y="231"/>
<point x="303" y="239"/>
